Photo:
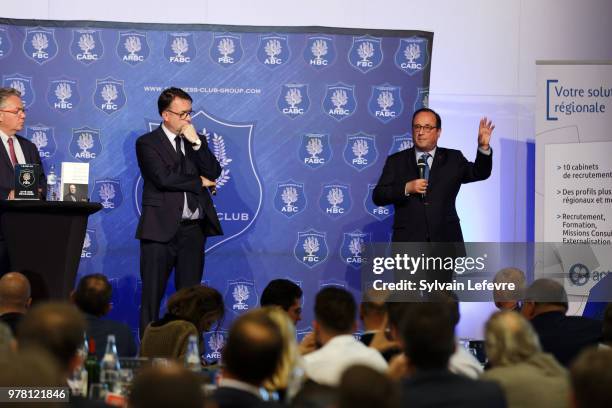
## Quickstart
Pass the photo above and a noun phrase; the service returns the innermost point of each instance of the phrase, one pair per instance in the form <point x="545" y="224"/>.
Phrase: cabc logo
<point x="353" y="248"/>
<point x="86" y="46"/>
<point x="293" y="100"/>
<point x="412" y="55"/>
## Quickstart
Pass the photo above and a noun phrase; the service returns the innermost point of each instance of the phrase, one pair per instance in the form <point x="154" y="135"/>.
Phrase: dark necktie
<point x="192" y="200"/>
<point x="425" y="157"/>
<point x="12" y="152"/>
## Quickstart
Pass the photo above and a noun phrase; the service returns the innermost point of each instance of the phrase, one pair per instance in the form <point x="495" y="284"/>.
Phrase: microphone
<point x="421" y="166"/>
<point x="212" y="190"/>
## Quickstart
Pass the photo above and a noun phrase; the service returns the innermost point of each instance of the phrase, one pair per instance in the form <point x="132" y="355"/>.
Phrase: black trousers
<point x="184" y="253"/>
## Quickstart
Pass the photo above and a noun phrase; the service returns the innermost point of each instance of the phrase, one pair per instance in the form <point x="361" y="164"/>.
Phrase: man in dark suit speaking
<point x="423" y="182"/>
<point x="178" y="214"/>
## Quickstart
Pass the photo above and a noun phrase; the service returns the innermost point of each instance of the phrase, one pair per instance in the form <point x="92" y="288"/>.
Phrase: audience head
<point x="7" y="341"/>
<point x="93" y="295"/>
<point x="606" y="335"/>
<point x="373" y="310"/>
<point x="427" y="331"/>
<point x="289" y="355"/>
<point x="591" y="378"/>
<point x="544" y="295"/>
<point x="253" y="349"/>
<point x="509" y="339"/>
<point x="164" y="386"/>
<point x="201" y="305"/>
<point x="510" y="299"/>
<point x="15" y="293"/>
<point x="364" y="387"/>
<point x="335" y="311"/>
<point x="395" y="313"/>
<point x="31" y="368"/>
<point x="286" y="294"/>
<point x="55" y="327"/>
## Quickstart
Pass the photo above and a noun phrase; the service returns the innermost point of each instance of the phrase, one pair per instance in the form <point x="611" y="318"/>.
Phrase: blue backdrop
<point x="300" y="118"/>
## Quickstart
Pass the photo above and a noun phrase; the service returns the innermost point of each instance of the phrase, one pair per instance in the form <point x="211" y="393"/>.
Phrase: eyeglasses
<point x="182" y="115"/>
<point x="15" y="112"/>
<point x="425" y="129"/>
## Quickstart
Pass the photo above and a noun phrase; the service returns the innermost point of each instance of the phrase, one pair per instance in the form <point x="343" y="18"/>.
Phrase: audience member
<point x="563" y="336"/>
<point x="15" y="298"/>
<point x="7" y="340"/>
<point x="251" y="356"/>
<point x="591" y="378"/>
<point x="606" y="332"/>
<point x="364" y="387"/>
<point x="286" y="294"/>
<point x="373" y="315"/>
<point x="506" y="299"/>
<point x="93" y="297"/>
<point x="191" y="311"/>
<point x="335" y="312"/>
<point x="429" y="341"/>
<point x="528" y="376"/>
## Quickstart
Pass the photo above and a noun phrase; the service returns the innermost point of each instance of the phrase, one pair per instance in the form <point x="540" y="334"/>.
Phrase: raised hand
<point x="485" y="129"/>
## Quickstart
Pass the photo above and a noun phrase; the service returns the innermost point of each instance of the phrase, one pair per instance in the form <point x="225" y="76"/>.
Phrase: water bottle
<point x="192" y="358"/>
<point x="79" y="378"/>
<point x="52" y="187"/>
<point x="110" y="367"/>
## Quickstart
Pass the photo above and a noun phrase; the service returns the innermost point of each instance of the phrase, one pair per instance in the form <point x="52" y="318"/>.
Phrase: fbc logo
<point x="39" y="44"/>
<point x="109" y="95"/>
<point x="365" y="53"/>
<point x="311" y="248"/>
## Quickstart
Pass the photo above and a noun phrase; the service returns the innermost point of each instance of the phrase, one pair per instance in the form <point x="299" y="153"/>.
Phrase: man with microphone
<point x="179" y="171"/>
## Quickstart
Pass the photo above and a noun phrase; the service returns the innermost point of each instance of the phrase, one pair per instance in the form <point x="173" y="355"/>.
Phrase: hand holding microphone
<point x="211" y="185"/>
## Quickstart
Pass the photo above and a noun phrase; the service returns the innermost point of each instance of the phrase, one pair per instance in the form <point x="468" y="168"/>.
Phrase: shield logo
<point x="320" y="51"/>
<point x="215" y="341"/>
<point x="311" y="248"/>
<point x="335" y="200"/>
<point x="365" y="53"/>
<point x="412" y="55"/>
<point x="315" y="150"/>
<point x="339" y="101"/>
<point x="85" y="144"/>
<point x="26" y="178"/>
<point x="226" y="49"/>
<point x="109" y="95"/>
<point x="133" y="47"/>
<point x="293" y="100"/>
<point x="422" y="99"/>
<point x="86" y="46"/>
<point x="39" y="44"/>
<point x="360" y="151"/>
<point x="5" y="43"/>
<point x="43" y="137"/>
<point x="273" y="50"/>
<point x="108" y="192"/>
<point x="63" y="94"/>
<point x="378" y="212"/>
<point x="354" y="247"/>
<point x="401" y="143"/>
<point x="290" y="199"/>
<point x="90" y="244"/>
<point x="23" y="84"/>
<point x="180" y="48"/>
<point x="385" y="102"/>
<point x="241" y="296"/>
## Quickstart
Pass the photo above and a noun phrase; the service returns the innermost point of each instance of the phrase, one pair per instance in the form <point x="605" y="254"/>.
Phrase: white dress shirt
<point x="16" y="146"/>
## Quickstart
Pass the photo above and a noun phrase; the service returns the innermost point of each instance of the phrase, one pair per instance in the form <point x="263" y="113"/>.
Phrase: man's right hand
<point x="11" y="195"/>
<point x="207" y="183"/>
<point x="417" y="186"/>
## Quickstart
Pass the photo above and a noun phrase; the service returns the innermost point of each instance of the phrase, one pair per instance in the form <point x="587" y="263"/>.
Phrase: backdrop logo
<point x="90" y="244"/>
<point x="365" y="53"/>
<point x="273" y="50"/>
<point x="360" y="151"/>
<point x="319" y="52"/>
<point x="339" y="101"/>
<point x="401" y="143"/>
<point x="378" y="212"/>
<point x="422" y="99"/>
<point x="226" y="49"/>
<point x="5" y="43"/>
<point x="86" y="46"/>
<point x="315" y="150"/>
<point x="240" y="295"/>
<point x="23" y="84"/>
<point x="109" y="96"/>
<point x="353" y="248"/>
<point x="108" y="193"/>
<point x="290" y="198"/>
<point x="335" y="200"/>
<point x="311" y="248"/>
<point x="579" y="274"/>
<point x="85" y="144"/>
<point x="293" y="100"/>
<point x="385" y="103"/>
<point x="180" y="48"/>
<point x="215" y="341"/>
<point x="411" y="55"/>
<point x="39" y="44"/>
<point x="42" y="136"/>
<point x="63" y="94"/>
<point x="132" y="47"/>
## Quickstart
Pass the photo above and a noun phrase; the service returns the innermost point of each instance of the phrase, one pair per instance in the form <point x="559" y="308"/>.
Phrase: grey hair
<point x="5" y="93"/>
<point x="510" y="275"/>
<point x="509" y="338"/>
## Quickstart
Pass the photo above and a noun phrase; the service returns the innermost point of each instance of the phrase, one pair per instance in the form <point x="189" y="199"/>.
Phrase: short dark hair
<point x="281" y="292"/>
<point x="547" y="291"/>
<point x="335" y="309"/>
<point x="168" y="95"/>
<point x="93" y="294"/>
<point x="428" y="333"/>
<point x="166" y="386"/>
<point x="591" y="378"/>
<point x="254" y="347"/>
<point x="438" y="118"/>
<point x="195" y="302"/>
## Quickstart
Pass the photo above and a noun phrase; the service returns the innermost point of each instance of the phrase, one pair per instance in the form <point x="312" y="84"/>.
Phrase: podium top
<point x="49" y="207"/>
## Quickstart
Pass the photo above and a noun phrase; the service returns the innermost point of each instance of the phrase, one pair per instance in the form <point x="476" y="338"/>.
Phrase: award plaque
<point x="26" y="181"/>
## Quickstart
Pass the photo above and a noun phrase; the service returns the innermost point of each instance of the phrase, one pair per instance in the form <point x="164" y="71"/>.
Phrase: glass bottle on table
<point x="110" y="367"/>
<point x="192" y="358"/>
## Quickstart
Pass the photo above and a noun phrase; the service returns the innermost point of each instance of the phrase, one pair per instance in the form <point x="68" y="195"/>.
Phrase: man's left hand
<point x="189" y="133"/>
<point x="485" y="129"/>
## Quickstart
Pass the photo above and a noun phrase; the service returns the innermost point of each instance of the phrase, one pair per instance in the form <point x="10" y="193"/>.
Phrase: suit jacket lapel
<point x="5" y="157"/>
<point x="410" y="158"/>
<point x="436" y="167"/>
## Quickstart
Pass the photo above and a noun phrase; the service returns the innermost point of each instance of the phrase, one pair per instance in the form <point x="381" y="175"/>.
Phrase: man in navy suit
<point x="178" y="214"/>
<point x="15" y="150"/>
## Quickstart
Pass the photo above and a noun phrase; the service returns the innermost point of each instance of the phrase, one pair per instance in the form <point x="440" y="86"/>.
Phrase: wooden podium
<point x="44" y="241"/>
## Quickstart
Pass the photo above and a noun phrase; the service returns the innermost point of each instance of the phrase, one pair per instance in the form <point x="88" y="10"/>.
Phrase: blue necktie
<point x="425" y="157"/>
